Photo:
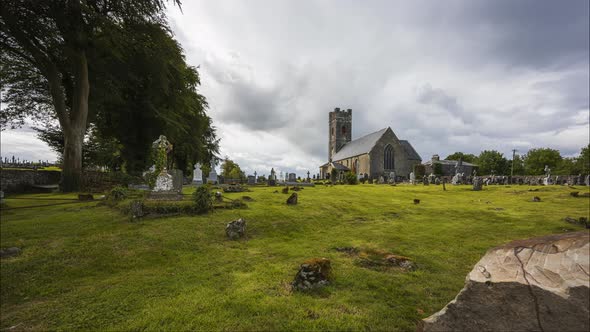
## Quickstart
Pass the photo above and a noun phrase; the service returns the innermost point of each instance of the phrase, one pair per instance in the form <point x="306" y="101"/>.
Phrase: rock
<point x="312" y="274"/>
<point x="416" y="201"/>
<point x="348" y="250"/>
<point x="218" y="196"/>
<point x="10" y="252"/>
<point x="401" y="261"/>
<point x="536" y="199"/>
<point x="292" y="200"/>
<point x="539" y="284"/>
<point x="574" y="193"/>
<point x="136" y="209"/>
<point x="236" y="229"/>
<point x="582" y="221"/>
<point x="247" y="198"/>
<point x="285" y="190"/>
<point x="85" y="197"/>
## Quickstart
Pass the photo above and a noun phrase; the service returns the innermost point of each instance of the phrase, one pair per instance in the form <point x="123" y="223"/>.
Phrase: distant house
<point x="449" y="167"/>
<point x="376" y="154"/>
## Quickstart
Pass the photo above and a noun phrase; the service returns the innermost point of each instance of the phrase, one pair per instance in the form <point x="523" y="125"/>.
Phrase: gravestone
<point x="251" y="180"/>
<point x="292" y="200"/>
<point x="177" y="179"/>
<point x="292" y="177"/>
<point x="164" y="188"/>
<point x="412" y="178"/>
<point x="425" y="180"/>
<point x="197" y="175"/>
<point x="236" y="229"/>
<point x="312" y="274"/>
<point x="272" y="178"/>
<point x="391" y="177"/>
<point x="477" y="183"/>
<point x="212" y="177"/>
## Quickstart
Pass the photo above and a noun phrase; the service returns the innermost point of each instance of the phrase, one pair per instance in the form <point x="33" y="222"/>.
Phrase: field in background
<point x="85" y="266"/>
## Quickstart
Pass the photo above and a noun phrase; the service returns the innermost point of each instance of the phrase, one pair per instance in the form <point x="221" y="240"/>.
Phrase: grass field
<point x="86" y="267"/>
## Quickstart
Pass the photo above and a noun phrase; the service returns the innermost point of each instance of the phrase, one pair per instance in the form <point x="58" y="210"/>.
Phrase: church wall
<point x="403" y="165"/>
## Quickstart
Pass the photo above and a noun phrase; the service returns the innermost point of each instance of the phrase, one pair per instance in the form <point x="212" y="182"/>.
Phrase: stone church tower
<point x="340" y="130"/>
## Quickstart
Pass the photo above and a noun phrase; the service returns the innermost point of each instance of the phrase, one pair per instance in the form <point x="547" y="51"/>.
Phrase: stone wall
<point x="402" y="164"/>
<point x="22" y="180"/>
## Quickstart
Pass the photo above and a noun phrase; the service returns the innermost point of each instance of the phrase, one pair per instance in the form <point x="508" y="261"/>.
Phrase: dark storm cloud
<point x="530" y="33"/>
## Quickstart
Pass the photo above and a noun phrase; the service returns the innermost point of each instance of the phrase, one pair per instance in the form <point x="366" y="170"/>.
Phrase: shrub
<point x="350" y="178"/>
<point x="203" y="202"/>
<point x="117" y="193"/>
<point x="419" y="171"/>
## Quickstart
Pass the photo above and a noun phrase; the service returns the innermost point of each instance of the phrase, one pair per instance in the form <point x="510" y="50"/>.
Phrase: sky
<point x="455" y="75"/>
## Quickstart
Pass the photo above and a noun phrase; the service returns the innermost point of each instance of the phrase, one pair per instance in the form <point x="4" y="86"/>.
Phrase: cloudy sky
<point x="446" y="75"/>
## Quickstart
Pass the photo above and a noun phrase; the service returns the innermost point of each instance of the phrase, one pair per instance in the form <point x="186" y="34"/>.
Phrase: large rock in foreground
<point x="539" y="284"/>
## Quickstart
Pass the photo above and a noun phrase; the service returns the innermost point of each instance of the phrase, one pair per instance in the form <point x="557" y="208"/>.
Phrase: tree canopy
<point x="536" y="159"/>
<point x="467" y="157"/>
<point x="231" y="170"/>
<point x="109" y="65"/>
<point x="491" y="161"/>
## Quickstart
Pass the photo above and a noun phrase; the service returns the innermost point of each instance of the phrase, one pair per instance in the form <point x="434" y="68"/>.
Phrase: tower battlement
<point x="340" y="130"/>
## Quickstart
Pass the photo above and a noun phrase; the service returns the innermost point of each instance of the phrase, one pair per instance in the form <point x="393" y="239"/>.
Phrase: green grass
<point x="86" y="267"/>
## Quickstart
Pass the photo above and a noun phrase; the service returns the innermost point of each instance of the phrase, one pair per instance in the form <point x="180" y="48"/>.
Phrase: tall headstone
<point x="197" y="175"/>
<point x="212" y="177"/>
<point x="251" y="179"/>
<point x="412" y="178"/>
<point x="272" y="178"/>
<point x="292" y="177"/>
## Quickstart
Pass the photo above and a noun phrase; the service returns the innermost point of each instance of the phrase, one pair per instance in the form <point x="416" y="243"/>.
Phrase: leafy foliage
<point x="437" y="169"/>
<point x="419" y="171"/>
<point x="491" y="161"/>
<point x="117" y="193"/>
<point x="231" y="170"/>
<point x="536" y="159"/>
<point x="467" y="157"/>
<point x="351" y="178"/>
<point x="203" y="201"/>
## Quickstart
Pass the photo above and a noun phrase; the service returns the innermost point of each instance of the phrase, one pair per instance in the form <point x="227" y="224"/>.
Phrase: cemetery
<point x="334" y="257"/>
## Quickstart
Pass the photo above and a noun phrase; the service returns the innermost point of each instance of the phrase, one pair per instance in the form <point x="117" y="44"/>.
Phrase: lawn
<point x="86" y="267"/>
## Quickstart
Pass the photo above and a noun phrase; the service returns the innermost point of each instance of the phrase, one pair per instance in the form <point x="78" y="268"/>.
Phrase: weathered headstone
<point x="425" y="180"/>
<point x="312" y="274"/>
<point x="212" y="177"/>
<point x="381" y="180"/>
<point x="197" y="175"/>
<point x="236" y="229"/>
<point x="272" y="178"/>
<point x="412" y="178"/>
<point x="391" y="179"/>
<point x="538" y="284"/>
<point x="292" y="200"/>
<point x="292" y="177"/>
<point x="177" y="179"/>
<point x="477" y="183"/>
<point x="251" y="180"/>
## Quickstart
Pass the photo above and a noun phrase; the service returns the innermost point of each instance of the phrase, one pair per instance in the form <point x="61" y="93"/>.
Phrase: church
<point x="373" y="155"/>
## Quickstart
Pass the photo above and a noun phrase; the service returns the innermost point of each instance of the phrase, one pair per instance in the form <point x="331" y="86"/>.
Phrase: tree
<point x="492" y="162"/>
<point x="231" y="170"/>
<point x="518" y="165"/>
<point x="466" y="157"/>
<point x="583" y="160"/>
<point x="536" y="159"/>
<point x="45" y="47"/>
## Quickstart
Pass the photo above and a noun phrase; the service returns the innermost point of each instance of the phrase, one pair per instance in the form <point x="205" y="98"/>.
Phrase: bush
<point x="419" y="171"/>
<point x="350" y="178"/>
<point x="117" y="193"/>
<point x="203" y="202"/>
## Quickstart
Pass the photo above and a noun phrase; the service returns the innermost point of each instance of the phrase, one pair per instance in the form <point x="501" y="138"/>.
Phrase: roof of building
<point x="412" y="154"/>
<point x="340" y="167"/>
<point x="366" y="143"/>
<point x="359" y="146"/>
<point x="449" y="162"/>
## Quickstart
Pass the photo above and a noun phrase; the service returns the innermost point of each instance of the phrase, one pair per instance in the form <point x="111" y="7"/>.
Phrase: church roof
<point x="364" y="145"/>
<point x="359" y="146"/>
<point x="412" y="154"/>
<point x="449" y="162"/>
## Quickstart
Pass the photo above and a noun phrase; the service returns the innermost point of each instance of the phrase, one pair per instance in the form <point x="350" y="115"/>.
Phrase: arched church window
<point x="388" y="157"/>
<point x="356" y="167"/>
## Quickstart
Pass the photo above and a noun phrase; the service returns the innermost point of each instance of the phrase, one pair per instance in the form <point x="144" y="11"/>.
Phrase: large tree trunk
<point x="71" y="175"/>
